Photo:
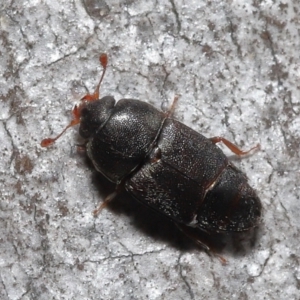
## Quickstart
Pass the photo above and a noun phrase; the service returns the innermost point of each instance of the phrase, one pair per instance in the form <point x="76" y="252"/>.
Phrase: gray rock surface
<point x="235" y="65"/>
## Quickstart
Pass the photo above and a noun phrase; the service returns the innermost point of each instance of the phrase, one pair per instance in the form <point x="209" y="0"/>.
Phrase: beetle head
<point x="80" y="111"/>
<point x="94" y="114"/>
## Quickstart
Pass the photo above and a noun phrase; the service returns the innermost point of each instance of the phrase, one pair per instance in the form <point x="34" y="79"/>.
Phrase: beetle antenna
<point x="76" y="111"/>
<point x="103" y="61"/>
<point x="49" y="141"/>
<point x="95" y="96"/>
<point x="76" y="120"/>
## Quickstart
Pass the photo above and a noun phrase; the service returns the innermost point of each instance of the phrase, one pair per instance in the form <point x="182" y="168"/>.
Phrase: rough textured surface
<point x="236" y="66"/>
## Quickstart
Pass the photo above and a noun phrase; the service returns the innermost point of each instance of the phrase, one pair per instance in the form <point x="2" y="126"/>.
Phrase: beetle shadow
<point x="160" y="227"/>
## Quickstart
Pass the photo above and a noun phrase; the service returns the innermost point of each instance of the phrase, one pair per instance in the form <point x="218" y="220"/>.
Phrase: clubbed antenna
<point x="77" y="109"/>
<point x="96" y="95"/>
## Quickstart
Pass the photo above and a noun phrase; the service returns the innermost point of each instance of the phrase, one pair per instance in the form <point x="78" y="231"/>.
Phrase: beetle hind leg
<point x="202" y="239"/>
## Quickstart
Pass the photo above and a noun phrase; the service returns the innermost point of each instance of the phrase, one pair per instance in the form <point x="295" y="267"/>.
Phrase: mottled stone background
<point x="235" y="65"/>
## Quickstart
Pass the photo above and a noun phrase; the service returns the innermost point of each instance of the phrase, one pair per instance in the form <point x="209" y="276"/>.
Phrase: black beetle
<point x="165" y="164"/>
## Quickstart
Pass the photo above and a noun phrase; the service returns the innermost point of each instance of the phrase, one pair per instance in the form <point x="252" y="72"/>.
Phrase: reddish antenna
<point x="96" y="95"/>
<point x="77" y="109"/>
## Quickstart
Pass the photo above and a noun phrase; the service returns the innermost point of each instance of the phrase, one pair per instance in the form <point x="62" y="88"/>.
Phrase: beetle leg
<point x="81" y="147"/>
<point x="231" y="146"/>
<point x="188" y="232"/>
<point x="170" y="111"/>
<point x="200" y="240"/>
<point x="108" y="199"/>
<point x="104" y="204"/>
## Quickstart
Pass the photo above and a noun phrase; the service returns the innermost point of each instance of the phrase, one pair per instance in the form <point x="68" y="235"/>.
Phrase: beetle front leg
<point x="231" y="146"/>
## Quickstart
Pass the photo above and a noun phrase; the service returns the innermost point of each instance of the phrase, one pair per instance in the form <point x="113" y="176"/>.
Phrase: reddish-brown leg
<point x="232" y="147"/>
<point x="105" y="203"/>
<point x="170" y="111"/>
<point x="108" y="199"/>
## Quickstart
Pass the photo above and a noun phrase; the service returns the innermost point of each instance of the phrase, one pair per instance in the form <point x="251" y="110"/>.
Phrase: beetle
<point x="164" y="164"/>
